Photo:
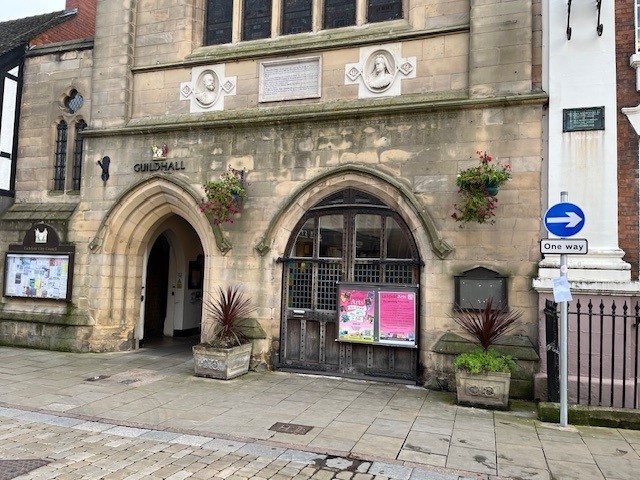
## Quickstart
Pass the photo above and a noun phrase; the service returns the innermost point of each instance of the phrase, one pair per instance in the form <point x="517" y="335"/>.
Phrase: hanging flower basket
<point x="225" y="198"/>
<point x="478" y="187"/>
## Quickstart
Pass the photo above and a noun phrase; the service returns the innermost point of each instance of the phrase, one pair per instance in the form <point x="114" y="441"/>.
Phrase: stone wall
<point x="470" y="90"/>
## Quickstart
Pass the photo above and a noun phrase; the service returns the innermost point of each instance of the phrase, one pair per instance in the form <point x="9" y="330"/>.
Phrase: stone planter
<point x="483" y="390"/>
<point x="221" y="363"/>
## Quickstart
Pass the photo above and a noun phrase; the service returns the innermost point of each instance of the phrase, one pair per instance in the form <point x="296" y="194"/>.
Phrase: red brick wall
<point x="627" y="96"/>
<point x="82" y="25"/>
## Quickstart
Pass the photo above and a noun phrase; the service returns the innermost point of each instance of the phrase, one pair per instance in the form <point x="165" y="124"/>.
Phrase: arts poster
<point x="36" y="276"/>
<point x="397" y="317"/>
<point x="356" y="315"/>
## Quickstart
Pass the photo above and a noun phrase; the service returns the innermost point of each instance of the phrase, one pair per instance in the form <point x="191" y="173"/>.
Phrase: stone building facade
<point x="357" y="131"/>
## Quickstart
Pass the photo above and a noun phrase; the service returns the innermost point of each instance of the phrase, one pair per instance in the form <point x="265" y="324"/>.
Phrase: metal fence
<point x="602" y="353"/>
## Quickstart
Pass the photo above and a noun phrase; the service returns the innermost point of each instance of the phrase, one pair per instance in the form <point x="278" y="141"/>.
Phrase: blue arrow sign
<point x="564" y="219"/>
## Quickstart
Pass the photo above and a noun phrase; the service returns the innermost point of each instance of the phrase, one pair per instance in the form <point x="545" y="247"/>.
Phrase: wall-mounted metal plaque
<point x="582" y="119"/>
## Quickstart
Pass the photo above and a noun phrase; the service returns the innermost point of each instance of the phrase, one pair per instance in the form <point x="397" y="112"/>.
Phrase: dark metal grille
<point x="366" y="273"/>
<point x="77" y="154"/>
<point x="328" y="275"/>
<point x="300" y="284"/>
<point x="256" y="19"/>
<point x="218" y="29"/>
<point x="61" y="156"/>
<point x="339" y="13"/>
<point x="382" y="10"/>
<point x="296" y="16"/>
<point x="400" y="273"/>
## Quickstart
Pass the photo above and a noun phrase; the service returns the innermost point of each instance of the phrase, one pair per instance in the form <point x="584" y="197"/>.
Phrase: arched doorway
<point x="172" y="284"/>
<point x="350" y="236"/>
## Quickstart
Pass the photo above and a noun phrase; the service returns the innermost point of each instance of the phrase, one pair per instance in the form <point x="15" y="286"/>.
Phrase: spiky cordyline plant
<point x="229" y="310"/>
<point x="488" y="324"/>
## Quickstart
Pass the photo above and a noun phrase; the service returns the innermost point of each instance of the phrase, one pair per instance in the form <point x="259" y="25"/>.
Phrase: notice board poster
<point x="37" y="276"/>
<point x="378" y="314"/>
<point x="397" y="317"/>
<point x="356" y="315"/>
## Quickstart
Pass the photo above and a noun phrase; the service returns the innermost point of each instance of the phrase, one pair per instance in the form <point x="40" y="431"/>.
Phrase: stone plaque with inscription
<point x="290" y="79"/>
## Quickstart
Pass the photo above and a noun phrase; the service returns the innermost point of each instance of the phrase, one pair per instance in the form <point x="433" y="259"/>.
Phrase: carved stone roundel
<point x="207" y="88"/>
<point x="379" y="71"/>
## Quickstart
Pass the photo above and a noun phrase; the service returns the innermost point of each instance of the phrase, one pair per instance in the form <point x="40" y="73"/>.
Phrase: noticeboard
<point x="377" y="314"/>
<point x="37" y="276"/>
<point x="39" y="268"/>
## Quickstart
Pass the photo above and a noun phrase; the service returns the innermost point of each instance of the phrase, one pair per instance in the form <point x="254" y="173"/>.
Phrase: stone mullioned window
<point x="260" y="19"/>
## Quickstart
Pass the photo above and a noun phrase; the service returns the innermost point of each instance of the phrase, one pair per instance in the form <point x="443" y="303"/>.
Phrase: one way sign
<point x="564" y="245"/>
<point x="564" y="219"/>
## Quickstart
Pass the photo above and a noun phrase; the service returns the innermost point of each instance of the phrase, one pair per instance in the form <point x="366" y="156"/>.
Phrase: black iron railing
<point x="603" y="353"/>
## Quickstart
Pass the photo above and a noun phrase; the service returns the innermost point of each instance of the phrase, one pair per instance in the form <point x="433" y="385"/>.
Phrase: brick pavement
<point x="60" y="447"/>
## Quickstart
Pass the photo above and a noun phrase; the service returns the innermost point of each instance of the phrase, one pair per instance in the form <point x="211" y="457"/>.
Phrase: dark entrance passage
<point x="156" y="289"/>
<point x="350" y="236"/>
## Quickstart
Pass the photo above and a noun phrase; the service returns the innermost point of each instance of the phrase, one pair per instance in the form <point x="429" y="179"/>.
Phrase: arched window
<point x="69" y="143"/>
<point x="60" y="156"/>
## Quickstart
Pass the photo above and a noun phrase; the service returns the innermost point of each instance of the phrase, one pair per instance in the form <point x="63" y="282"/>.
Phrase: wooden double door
<point x="350" y="236"/>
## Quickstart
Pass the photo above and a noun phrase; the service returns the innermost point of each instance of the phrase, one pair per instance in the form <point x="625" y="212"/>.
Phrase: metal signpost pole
<point x="563" y="220"/>
<point x="563" y="339"/>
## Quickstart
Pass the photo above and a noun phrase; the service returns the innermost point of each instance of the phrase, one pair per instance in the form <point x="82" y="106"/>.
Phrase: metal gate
<point x="349" y="236"/>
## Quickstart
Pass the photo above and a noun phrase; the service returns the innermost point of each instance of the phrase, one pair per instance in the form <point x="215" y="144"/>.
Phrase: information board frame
<point x="368" y="313"/>
<point x="40" y="276"/>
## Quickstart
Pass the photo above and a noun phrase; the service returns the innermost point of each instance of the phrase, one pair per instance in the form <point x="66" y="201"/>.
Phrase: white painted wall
<point x="577" y="73"/>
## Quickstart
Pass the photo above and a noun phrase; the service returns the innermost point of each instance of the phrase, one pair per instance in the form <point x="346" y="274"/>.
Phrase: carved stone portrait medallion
<point x="379" y="71"/>
<point x="207" y="88"/>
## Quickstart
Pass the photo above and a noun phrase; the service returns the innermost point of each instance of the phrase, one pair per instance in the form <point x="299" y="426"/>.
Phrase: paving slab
<point x="148" y="408"/>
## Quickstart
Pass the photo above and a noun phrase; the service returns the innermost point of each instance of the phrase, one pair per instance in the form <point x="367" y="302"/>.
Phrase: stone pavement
<point x="143" y="414"/>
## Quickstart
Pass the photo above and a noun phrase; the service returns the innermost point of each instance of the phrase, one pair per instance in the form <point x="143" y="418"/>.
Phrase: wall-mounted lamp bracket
<point x="599" y="26"/>
<point x="104" y="165"/>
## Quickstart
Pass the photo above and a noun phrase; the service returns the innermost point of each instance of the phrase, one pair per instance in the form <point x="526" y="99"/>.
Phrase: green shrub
<point x="483" y="361"/>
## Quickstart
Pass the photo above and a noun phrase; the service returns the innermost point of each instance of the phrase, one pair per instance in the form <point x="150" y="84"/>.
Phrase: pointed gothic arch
<point x="125" y="231"/>
<point x="382" y="185"/>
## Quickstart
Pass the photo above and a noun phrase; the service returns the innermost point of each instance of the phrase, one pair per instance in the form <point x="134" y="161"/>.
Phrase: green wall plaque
<point x="582" y="119"/>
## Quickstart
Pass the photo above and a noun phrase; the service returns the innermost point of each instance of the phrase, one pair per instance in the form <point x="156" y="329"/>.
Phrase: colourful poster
<point x="397" y="317"/>
<point x="356" y="315"/>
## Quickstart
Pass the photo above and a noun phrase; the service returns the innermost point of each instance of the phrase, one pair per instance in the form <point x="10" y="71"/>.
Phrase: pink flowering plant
<point x="225" y="198"/>
<point x="478" y="187"/>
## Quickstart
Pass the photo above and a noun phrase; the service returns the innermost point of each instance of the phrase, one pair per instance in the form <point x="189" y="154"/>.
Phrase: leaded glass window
<point x="77" y="154"/>
<point x="218" y="28"/>
<point x="339" y="13"/>
<point x="383" y="10"/>
<point x="256" y="19"/>
<point x="60" y="156"/>
<point x="296" y="16"/>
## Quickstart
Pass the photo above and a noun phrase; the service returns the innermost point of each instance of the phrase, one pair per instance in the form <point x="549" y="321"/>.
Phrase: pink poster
<point x="397" y="316"/>
<point x="356" y="315"/>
